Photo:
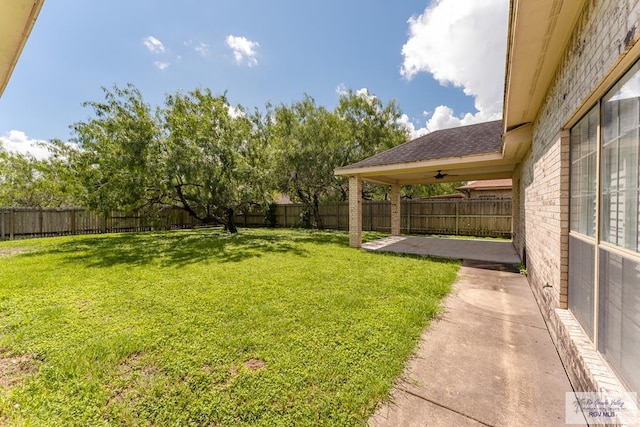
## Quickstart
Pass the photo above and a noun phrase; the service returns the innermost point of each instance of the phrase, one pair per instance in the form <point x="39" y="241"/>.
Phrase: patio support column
<point x="355" y="211"/>
<point x="395" y="210"/>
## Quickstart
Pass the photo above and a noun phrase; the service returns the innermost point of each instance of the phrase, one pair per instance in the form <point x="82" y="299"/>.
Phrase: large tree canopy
<point x="117" y="152"/>
<point x="196" y="153"/>
<point x="311" y="142"/>
<point x="307" y="141"/>
<point x="213" y="157"/>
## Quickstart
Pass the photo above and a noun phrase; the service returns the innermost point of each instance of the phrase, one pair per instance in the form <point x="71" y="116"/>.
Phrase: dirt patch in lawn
<point x="250" y="365"/>
<point x="7" y="252"/>
<point x="254" y="364"/>
<point x="135" y="376"/>
<point x="14" y="369"/>
<point x="135" y="367"/>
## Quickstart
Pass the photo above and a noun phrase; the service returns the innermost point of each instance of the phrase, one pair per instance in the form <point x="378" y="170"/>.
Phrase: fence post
<point x="457" y="218"/>
<point x="40" y="222"/>
<point x="408" y="216"/>
<point x="12" y="223"/>
<point x="1" y="225"/>
<point x="285" y="217"/>
<point x="73" y="221"/>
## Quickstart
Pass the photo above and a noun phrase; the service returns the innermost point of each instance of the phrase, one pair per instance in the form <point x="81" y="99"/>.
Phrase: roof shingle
<point x="481" y="138"/>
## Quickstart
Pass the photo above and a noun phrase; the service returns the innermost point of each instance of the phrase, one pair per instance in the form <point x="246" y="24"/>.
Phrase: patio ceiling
<point x="533" y="53"/>
<point x="16" y="21"/>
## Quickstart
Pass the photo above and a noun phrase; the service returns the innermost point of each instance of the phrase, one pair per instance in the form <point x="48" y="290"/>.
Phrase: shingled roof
<point x="481" y="138"/>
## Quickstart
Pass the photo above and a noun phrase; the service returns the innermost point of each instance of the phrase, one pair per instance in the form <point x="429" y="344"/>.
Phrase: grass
<point x="266" y="327"/>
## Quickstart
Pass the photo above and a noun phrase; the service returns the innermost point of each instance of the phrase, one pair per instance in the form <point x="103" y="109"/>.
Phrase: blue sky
<point x="442" y="60"/>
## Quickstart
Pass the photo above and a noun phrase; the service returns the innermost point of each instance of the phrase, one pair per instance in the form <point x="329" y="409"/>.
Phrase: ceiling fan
<point x="440" y="175"/>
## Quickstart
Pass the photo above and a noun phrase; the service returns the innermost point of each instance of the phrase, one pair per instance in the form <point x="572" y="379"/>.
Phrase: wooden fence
<point x="16" y="223"/>
<point x="455" y="217"/>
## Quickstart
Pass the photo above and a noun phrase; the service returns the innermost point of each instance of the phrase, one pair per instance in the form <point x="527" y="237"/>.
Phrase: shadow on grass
<point x="184" y="247"/>
<point x="179" y="248"/>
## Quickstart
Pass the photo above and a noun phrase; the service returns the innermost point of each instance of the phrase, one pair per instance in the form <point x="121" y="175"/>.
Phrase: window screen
<point x="581" y="283"/>
<point x="620" y="160"/>
<point x="584" y="142"/>
<point x="619" y="315"/>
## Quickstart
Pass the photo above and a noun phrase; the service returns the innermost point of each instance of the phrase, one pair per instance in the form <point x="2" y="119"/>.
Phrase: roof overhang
<point x="539" y="31"/>
<point x="17" y="18"/>
<point x="467" y="168"/>
<point x="482" y="166"/>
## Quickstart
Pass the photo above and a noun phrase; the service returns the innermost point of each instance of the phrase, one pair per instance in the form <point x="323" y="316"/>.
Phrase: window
<point x="584" y="144"/>
<point x="612" y="244"/>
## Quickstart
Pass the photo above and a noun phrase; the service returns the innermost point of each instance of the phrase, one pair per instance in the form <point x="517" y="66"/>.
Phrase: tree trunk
<point x="316" y="213"/>
<point x="230" y="225"/>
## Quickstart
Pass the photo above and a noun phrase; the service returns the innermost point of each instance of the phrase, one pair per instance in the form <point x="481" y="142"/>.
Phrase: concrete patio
<point x="498" y="251"/>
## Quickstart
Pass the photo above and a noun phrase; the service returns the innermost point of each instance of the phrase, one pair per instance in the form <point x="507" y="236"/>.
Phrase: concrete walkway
<point x="488" y="361"/>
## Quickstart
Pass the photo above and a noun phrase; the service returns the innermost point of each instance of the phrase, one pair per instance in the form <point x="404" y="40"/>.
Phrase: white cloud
<point x="153" y="44"/>
<point x="235" y="112"/>
<point x="342" y="90"/>
<point x="161" y="65"/>
<point x="17" y="141"/>
<point x="202" y="49"/>
<point x="244" y="50"/>
<point x="364" y="93"/>
<point x="408" y="124"/>
<point x="461" y="43"/>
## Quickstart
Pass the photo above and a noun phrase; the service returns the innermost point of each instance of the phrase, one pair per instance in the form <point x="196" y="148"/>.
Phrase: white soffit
<point x="16" y="21"/>
<point x="538" y="33"/>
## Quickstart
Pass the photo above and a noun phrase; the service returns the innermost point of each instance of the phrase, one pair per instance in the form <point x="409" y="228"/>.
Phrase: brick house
<point x="570" y="140"/>
<point x="490" y="189"/>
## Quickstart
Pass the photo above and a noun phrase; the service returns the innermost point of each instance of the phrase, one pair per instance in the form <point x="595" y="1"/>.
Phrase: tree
<point x="29" y="182"/>
<point x="430" y="190"/>
<point x="197" y="153"/>
<point x="117" y="151"/>
<point x="308" y="149"/>
<point x="311" y="142"/>
<point x="213" y="157"/>
<point x="369" y="128"/>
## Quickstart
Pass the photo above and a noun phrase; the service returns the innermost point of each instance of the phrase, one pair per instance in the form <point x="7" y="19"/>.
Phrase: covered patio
<point x="485" y="251"/>
<point x="475" y="152"/>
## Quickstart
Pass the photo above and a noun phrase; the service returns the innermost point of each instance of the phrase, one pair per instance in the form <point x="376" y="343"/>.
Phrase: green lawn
<point x="266" y="327"/>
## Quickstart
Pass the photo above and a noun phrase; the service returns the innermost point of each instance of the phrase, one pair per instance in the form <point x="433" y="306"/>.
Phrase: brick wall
<point x="541" y="184"/>
<point x="518" y="212"/>
<point x="355" y="212"/>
